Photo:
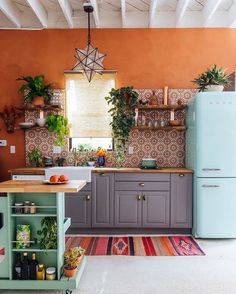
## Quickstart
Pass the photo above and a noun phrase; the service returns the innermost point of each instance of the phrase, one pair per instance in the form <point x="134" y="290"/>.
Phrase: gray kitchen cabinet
<point x="78" y="208"/>
<point x="156" y="209"/>
<point x="128" y="205"/>
<point x="181" y="200"/>
<point x="103" y="198"/>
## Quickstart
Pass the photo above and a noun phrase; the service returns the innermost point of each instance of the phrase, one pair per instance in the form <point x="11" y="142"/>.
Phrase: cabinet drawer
<point x="142" y="186"/>
<point x="151" y="177"/>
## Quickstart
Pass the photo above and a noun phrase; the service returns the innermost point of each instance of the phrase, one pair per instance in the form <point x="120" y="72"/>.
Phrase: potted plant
<point x="48" y="233"/>
<point x="91" y="161"/>
<point x="58" y="124"/>
<point x="35" y="157"/>
<point x="123" y="101"/>
<point x="213" y="79"/>
<point x="72" y="259"/>
<point x="35" y="90"/>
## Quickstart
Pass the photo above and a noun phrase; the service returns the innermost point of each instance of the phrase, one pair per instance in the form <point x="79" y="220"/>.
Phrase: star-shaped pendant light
<point x="89" y="60"/>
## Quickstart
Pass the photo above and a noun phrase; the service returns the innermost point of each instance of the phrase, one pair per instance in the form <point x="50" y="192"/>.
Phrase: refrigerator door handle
<point x="211" y="169"/>
<point x="211" y="186"/>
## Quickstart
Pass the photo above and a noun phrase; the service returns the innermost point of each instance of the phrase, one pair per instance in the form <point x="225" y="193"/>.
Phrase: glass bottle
<point x="33" y="267"/>
<point x="25" y="267"/>
<point x="41" y="272"/>
<point x="17" y="267"/>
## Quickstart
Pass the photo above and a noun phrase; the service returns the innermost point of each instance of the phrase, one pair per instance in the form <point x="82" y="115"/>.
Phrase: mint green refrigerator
<point x="211" y="153"/>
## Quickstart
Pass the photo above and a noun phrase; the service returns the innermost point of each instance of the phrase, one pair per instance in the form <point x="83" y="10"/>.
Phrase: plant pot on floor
<point x="214" y="88"/>
<point x="70" y="272"/>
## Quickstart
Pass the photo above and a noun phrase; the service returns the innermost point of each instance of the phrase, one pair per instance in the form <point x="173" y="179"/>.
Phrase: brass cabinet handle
<point x="181" y="175"/>
<point x="88" y="197"/>
<point x="144" y="198"/>
<point x="141" y="184"/>
<point x="138" y="197"/>
<point x="102" y="174"/>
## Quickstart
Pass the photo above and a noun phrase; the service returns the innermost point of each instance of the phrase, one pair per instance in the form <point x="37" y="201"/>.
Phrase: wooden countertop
<point x="40" y="187"/>
<point x="139" y="170"/>
<point x="41" y="170"/>
<point x="28" y="171"/>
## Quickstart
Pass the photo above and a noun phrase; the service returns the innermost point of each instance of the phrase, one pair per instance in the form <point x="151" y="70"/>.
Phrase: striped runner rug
<point x="136" y="246"/>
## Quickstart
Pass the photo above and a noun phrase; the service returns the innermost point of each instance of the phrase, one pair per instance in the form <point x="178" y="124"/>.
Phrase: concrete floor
<point x="214" y="273"/>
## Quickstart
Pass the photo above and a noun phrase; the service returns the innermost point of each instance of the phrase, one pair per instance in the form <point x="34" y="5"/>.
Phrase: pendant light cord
<point x="89" y="34"/>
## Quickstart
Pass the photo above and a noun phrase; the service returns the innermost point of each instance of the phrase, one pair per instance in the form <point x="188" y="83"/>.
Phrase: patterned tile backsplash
<point x="168" y="148"/>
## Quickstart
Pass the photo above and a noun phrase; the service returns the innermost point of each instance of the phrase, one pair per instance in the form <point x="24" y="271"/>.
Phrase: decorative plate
<point x="52" y="183"/>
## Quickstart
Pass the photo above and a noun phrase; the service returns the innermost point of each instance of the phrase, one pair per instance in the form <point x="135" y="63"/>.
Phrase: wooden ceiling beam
<point x="11" y="12"/>
<point x="39" y="11"/>
<point x="152" y="11"/>
<point x="123" y="13"/>
<point x="67" y="11"/>
<point x="180" y="11"/>
<point x="209" y="10"/>
<point x="95" y="13"/>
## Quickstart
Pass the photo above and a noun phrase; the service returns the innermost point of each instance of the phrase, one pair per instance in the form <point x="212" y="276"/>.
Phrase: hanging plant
<point x="123" y="101"/>
<point x="58" y="124"/>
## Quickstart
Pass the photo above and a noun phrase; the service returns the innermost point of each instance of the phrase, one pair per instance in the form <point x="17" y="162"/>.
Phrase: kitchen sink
<point x="72" y="172"/>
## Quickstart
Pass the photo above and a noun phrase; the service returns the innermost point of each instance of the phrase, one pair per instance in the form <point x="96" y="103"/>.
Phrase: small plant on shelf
<point x="72" y="259"/>
<point x="123" y="103"/>
<point x="35" y="90"/>
<point x="213" y="79"/>
<point x="35" y="157"/>
<point x="48" y="233"/>
<point x="58" y="124"/>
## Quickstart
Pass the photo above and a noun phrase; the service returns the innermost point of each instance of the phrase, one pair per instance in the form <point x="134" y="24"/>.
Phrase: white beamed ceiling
<point x="41" y="14"/>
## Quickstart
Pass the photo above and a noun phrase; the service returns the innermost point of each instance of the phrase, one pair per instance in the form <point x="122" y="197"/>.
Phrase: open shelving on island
<point x="49" y="201"/>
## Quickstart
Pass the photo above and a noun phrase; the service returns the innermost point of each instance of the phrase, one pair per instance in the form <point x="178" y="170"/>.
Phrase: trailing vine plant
<point x="123" y="102"/>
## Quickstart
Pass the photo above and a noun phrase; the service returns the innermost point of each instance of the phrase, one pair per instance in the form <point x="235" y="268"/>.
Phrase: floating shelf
<point x="166" y="128"/>
<point x="36" y="108"/>
<point x="162" y="107"/>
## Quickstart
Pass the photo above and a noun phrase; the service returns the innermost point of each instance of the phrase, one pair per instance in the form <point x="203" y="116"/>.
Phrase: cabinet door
<point x="156" y="209"/>
<point x="78" y="208"/>
<point x="181" y="200"/>
<point x="128" y="209"/>
<point x="103" y="197"/>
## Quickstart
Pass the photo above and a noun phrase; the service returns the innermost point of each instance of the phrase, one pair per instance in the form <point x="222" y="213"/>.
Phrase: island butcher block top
<point x="40" y="187"/>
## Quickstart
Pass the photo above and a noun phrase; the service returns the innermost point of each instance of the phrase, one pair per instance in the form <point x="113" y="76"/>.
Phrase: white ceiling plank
<point x="209" y="10"/>
<point x="232" y="16"/>
<point x="95" y="13"/>
<point x="123" y="13"/>
<point x="39" y="11"/>
<point x="67" y="10"/>
<point x="152" y="11"/>
<point x="11" y="12"/>
<point x="180" y="11"/>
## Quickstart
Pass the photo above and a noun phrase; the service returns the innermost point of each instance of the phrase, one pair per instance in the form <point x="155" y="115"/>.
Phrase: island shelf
<point x="49" y="200"/>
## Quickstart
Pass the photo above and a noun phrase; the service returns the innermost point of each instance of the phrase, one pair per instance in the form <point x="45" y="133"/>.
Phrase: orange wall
<point x="144" y="58"/>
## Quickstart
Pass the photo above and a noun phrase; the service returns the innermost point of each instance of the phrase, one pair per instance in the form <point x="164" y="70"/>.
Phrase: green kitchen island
<point x="49" y="201"/>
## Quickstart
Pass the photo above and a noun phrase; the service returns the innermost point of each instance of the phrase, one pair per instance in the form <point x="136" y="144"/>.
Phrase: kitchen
<point x="159" y="62"/>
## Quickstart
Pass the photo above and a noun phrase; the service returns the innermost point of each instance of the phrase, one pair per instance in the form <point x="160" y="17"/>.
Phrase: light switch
<point x="12" y="149"/>
<point x="56" y="149"/>
<point x="131" y="150"/>
<point x="3" y="143"/>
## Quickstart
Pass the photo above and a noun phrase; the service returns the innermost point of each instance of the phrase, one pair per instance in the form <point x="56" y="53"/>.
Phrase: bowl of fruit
<point x="57" y="180"/>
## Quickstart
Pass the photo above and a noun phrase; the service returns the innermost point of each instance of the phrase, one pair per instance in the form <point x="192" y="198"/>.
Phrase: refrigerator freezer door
<point x="215" y="208"/>
<point x="216" y="134"/>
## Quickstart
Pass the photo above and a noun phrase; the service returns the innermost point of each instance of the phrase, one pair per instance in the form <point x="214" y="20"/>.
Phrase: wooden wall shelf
<point x="38" y="108"/>
<point x="166" y="128"/>
<point x="162" y="107"/>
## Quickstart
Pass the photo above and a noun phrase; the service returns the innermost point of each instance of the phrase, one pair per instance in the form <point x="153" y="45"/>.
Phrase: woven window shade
<point x="86" y="108"/>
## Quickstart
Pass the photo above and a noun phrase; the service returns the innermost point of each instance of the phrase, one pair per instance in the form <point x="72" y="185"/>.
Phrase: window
<point x="88" y="111"/>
